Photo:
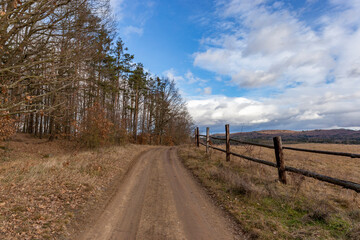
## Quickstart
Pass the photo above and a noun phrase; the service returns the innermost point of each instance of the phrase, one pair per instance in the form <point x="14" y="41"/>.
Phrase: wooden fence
<point x="279" y="156"/>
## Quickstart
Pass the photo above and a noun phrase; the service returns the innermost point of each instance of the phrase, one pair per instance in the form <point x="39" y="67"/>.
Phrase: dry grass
<point x="303" y="209"/>
<point x="45" y="187"/>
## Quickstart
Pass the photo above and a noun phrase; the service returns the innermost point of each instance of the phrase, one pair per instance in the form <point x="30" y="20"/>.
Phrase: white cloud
<point x="129" y="30"/>
<point x="313" y="71"/>
<point x="207" y="90"/>
<point x="281" y="113"/>
<point x="215" y="110"/>
<point x="189" y="78"/>
<point x="132" y="16"/>
<point x="117" y="8"/>
<point x="116" y="3"/>
<point x="274" y="48"/>
<point x="218" y="78"/>
<point x="254" y="78"/>
<point x="171" y="74"/>
<point x="309" y="115"/>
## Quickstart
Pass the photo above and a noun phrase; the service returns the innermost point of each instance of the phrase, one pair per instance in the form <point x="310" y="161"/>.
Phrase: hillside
<point x="314" y="136"/>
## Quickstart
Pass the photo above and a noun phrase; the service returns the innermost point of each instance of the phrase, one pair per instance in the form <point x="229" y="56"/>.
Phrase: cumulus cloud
<point x="213" y="110"/>
<point x="282" y="113"/>
<point x="253" y="78"/>
<point x="276" y="48"/>
<point x="313" y="71"/>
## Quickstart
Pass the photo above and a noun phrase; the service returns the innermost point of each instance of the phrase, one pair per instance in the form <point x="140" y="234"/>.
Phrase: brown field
<point x="266" y="209"/>
<point x="335" y="166"/>
<point x="45" y="187"/>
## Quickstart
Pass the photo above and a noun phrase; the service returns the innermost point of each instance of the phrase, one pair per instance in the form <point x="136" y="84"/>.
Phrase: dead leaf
<point x="16" y="3"/>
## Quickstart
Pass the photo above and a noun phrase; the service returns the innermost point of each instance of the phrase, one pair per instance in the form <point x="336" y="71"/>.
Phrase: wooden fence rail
<point x="352" y="155"/>
<point x="280" y="163"/>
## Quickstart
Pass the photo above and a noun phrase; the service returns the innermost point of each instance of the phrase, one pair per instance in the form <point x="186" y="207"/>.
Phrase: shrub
<point x="95" y="128"/>
<point x="7" y="126"/>
<point x="120" y="135"/>
<point x="168" y="140"/>
<point x="143" y="138"/>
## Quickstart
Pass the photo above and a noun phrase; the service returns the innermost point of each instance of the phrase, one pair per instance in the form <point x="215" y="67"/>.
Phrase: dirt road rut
<point x="159" y="199"/>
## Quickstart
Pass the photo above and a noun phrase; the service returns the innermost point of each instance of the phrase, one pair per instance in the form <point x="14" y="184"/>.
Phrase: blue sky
<point x="256" y="64"/>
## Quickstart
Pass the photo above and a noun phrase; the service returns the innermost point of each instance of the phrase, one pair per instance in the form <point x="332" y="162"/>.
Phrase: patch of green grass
<point x="338" y="226"/>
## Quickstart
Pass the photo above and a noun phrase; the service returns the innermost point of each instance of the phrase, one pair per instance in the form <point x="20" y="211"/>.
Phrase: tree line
<point x="65" y="73"/>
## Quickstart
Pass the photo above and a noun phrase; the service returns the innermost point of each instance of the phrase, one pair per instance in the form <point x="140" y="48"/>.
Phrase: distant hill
<point x="314" y="136"/>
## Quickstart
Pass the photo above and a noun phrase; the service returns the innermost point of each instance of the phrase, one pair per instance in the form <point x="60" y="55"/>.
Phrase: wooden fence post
<point x="279" y="155"/>
<point x="227" y="132"/>
<point x="197" y="137"/>
<point x="207" y="140"/>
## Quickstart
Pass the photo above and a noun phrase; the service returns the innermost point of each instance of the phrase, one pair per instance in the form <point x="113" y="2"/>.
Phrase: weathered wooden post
<point x="279" y="155"/>
<point x="227" y="133"/>
<point x="197" y="137"/>
<point x="207" y="139"/>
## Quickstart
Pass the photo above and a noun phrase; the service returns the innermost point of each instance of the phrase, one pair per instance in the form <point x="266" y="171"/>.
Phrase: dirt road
<point x="159" y="199"/>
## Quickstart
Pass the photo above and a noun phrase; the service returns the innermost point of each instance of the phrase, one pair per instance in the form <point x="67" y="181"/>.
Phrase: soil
<point x="159" y="199"/>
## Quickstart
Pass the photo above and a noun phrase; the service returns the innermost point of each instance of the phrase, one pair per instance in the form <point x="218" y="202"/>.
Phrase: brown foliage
<point x="143" y="138"/>
<point x="168" y="140"/>
<point x="95" y="129"/>
<point x="120" y="135"/>
<point x="7" y="127"/>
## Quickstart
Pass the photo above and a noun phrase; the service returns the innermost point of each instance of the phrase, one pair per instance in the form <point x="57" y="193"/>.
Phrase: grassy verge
<point x="47" y="187"/>
<point x="267" y="209"/>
